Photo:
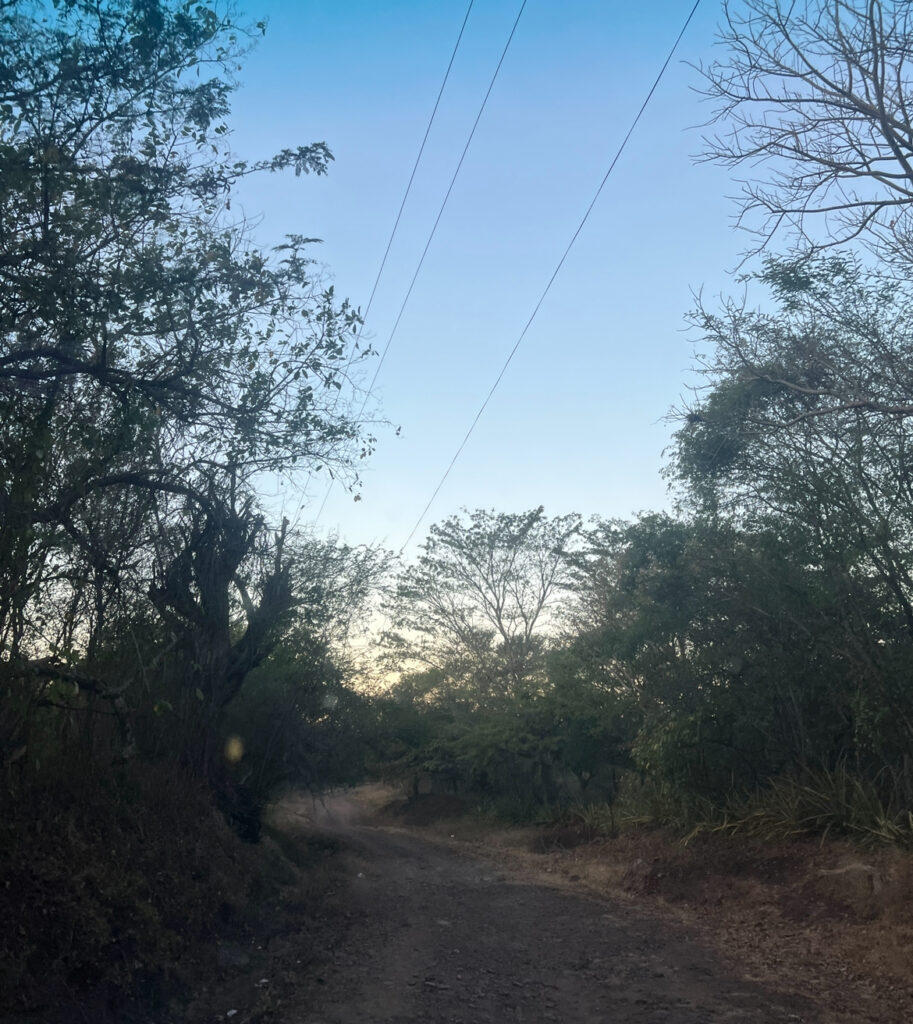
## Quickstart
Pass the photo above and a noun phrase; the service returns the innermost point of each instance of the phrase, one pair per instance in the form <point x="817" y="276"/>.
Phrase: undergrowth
<point x="823" y="802"/>
<point x="106" y="882"/>
<point x="591" y="821"/>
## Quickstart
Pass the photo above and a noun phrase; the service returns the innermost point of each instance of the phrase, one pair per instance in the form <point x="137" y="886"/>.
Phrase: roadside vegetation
<point x="173" y="654"/>
<point x="743" y="662"/>
<point x="169" y="645"/>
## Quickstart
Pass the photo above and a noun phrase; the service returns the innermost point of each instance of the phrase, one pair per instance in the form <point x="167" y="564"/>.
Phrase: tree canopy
<point x="473" y="606"/>
<point x="154" y="361"/>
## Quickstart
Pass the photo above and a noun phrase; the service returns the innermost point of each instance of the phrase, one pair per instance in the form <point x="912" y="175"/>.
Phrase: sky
<point x="579" y="422"/>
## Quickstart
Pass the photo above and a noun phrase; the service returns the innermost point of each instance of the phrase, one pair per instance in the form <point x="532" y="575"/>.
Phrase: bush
<point x="107" y="879"/>
<point x="823" y="802"/>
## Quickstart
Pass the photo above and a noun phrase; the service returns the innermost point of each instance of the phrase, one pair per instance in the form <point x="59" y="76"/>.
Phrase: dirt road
<point x="438" y="937"/>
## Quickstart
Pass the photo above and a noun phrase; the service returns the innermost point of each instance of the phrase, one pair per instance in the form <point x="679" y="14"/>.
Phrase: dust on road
<point x="438" y="937"/>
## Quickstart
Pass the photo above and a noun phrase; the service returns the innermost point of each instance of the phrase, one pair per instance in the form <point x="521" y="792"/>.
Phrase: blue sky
<point x="578" y="422"/>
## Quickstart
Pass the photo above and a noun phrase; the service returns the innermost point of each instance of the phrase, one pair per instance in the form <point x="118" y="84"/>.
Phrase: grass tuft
<point x="821" y="802"/>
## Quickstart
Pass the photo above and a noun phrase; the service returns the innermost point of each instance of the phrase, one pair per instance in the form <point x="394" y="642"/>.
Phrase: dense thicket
<point x="154" y="364"/>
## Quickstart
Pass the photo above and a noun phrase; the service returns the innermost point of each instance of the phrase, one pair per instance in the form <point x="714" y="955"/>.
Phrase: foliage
<point x="499" y="708"/>
<point x="297" y="722"/>
<point x="153" y="362"/>
<point x="818" y="458"/>
<point x="823" y="802"/>
<point x="474" y="605"/>
<point x="759" y="636"/>
<point x="298" y="718"/>
<point x="564" y="743"/>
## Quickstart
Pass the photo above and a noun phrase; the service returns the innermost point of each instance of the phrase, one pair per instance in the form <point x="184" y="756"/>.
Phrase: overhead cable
<point x="434" y="227"/>
<point x="551" y="280"/>
<point x="399" y="216"/>
<point x="418" y="158"/>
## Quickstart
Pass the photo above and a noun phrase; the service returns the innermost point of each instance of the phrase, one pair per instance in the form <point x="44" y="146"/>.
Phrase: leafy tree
<point x="338" y="589"/>
<point x="595" y="721"/>
<point x="726" y="650"/>
<point x="806" y="416"/>
<point x="536" y="733"/>
<point x="475" y="604"/>
<point x="297" y="718"/>
<point x="801" y="440"/>
<point x="153" y="362"/>
<point x="414" y="734"/>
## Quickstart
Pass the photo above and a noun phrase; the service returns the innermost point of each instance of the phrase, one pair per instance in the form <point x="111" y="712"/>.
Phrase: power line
<point x="421" y="150"/>
<point x="551" y="280"/>
<point x="434" y="227"/>
<point x="399" y="216"/>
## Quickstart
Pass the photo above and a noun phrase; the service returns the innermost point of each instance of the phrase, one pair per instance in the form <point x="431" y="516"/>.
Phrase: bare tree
<point x="816" y="90"/>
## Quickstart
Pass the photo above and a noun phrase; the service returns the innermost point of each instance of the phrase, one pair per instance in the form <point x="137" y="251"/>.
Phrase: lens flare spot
<point x="234" y="749"/>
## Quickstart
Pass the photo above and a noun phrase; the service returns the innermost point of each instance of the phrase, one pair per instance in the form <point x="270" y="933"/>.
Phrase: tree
<point x="806" y="412"/>
<point x="153" y="360"/>
<point x="297" y="716"/>
<point x="128" y="291"/>
<point x="819" y="91"/>
<point x="339" y="588"/>
<point x="474" y="605"/>
<point x="803" y="434"/>
<point x="731" y="649"/>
